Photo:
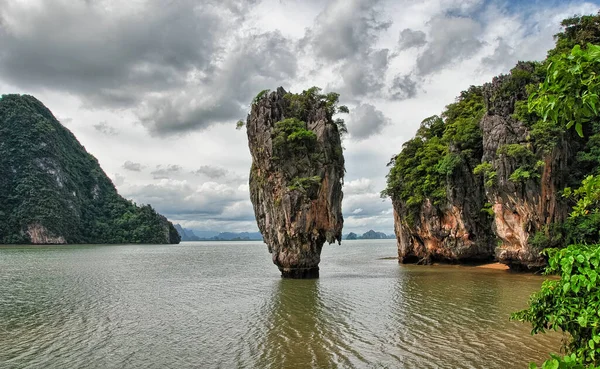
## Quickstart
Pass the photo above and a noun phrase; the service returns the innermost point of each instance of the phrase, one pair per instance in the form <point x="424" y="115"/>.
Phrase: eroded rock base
<point x="300" y="273"/>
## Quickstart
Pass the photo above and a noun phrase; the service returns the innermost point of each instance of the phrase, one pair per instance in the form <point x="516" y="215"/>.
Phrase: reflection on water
<point x="223" y="305"/>
<point x="302" y="331"/>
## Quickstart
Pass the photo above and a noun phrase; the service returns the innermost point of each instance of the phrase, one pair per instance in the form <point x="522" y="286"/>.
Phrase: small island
<point x="296" y="175"/>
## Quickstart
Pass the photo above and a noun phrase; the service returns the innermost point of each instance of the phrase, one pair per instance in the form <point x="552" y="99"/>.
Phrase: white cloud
<point x="165" y="103"/>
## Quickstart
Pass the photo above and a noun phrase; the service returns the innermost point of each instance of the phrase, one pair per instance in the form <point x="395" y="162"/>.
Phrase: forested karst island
<point x="296" y="175"/>
<point x="52" y="191"/>
<point x="498" y="173"/>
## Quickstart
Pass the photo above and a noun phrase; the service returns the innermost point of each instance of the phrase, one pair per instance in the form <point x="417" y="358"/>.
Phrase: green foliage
<point x="558" y="362"/>
<point x="305" y="184"/>
<point x="292" y="139"/>
<point x="488" y="209"/>
<point x="441" y="146"/>
<point x="552" y="235"/>
<point x="48" y="179"/>
<point x="300" y="105"/>
<point x="569" y="94"/>
<point x="487" y="170"/>
<point x="240" y="124"/>
<point x="578" y="30"/>
<point x="583" y="225"/>
<point x="260" y="96"/>
<point x="570" y="304"/>
<point x="529" y="167"/>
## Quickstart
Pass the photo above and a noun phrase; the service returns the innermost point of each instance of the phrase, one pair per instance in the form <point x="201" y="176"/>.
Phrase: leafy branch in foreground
<point x="570" y="93"/>
<point x="570" y="304"/>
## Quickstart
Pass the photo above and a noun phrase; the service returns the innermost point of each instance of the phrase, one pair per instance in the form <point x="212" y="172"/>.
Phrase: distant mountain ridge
<point x="189" y="235"/>
<point x="369" y="235"/>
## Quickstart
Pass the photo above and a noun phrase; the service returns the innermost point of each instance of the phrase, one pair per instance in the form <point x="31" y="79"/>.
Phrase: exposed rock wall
<point x="295" y="222"/>
<point x="495" y="216"/>
<point x="521" y="208"/>
<point x="457" y="231"/>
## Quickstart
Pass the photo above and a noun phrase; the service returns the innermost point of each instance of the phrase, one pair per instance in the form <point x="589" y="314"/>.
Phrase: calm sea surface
<point x="223" y="305"/>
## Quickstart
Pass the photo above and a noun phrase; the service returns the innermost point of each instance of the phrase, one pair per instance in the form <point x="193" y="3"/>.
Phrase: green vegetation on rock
<point x="51" y="186"/>
<point x="441" y="145"/>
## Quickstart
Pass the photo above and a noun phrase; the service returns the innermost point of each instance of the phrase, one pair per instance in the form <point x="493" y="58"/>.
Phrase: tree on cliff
<point x="569" y="97"/>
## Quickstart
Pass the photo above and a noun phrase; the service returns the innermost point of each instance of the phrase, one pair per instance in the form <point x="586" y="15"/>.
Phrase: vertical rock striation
<point x="522" y="206"/>
<point x="296" y="178"/>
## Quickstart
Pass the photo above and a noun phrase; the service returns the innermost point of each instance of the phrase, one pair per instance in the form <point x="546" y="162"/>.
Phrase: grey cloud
<point x="118" y="179"/>
<point x="452" y="39"/>
<point x="108" y="58"/>
<point x="104" y="128"/>
<point x="363" y="77"/>
<point x="366" y="121"/>
<point x="165" y="172"/>
<point x="403" y="87"/>
<point x="503" y="56"/>
<point x="256" y="62"/>
<point x="131" y="166"/>
<point x="182" y="200"/>
<point x="346" y="28"/>
<point x="358" y="186"/>
<point x="182" y="65"/>
<point x="211" y="171"/>
<point x="410" y="38"/>
<point x="345" y="32"/>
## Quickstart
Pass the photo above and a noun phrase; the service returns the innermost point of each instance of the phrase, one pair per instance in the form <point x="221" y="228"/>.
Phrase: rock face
<point x="521" y="207"/>
<point x="496" y="212"/>
<point x="53" y="192"/>
<point x="296" y="178"/>
<point x="457" y="231"/>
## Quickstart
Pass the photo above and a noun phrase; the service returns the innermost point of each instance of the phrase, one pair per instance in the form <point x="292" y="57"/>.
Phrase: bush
<point x="570" y="304"/>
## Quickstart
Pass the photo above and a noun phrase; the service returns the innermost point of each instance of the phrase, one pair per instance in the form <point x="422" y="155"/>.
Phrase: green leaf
<point x="579" y="129"/>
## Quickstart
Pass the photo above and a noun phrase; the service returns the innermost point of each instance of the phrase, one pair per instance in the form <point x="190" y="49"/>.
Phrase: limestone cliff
<point x="296" y="177"/>
<point x="53" y="192"/>
<point x="437" y="199"/>
<point x="522" y="204"/>
<point x="486" y="179"/>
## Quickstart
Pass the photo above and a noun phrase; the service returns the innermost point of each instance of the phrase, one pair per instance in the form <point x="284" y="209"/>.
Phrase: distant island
<point x="369" y="235"/>
<point x="189" y="235"/>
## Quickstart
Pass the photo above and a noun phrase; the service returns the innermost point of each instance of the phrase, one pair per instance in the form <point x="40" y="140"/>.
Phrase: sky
<point x="153" y="89"/>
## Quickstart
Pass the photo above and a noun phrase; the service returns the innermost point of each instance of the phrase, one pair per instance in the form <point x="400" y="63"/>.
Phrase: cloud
<point x="131" y="166"/>
<point x="503" y="55"/>
<point x="104" y="128"/>
<point x="211" y="171"/>
<point x="366" y="121"/>
<point x="109" y="58"/>
<point x="345" y="32"/>
<point x="256" y="62"/>
<point x="185" y="200"/>
<point x="364" y="76"/>
<point x="410" y="38"/>
<point x="358" y="186"/>
<point x="165" y="172"/>
<point x="181" y="65"/>
<point x="403" y="87"/>
<point x="452" y="39"/>
<point x="118" y="179"/>
<point x="346" y="28"/>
